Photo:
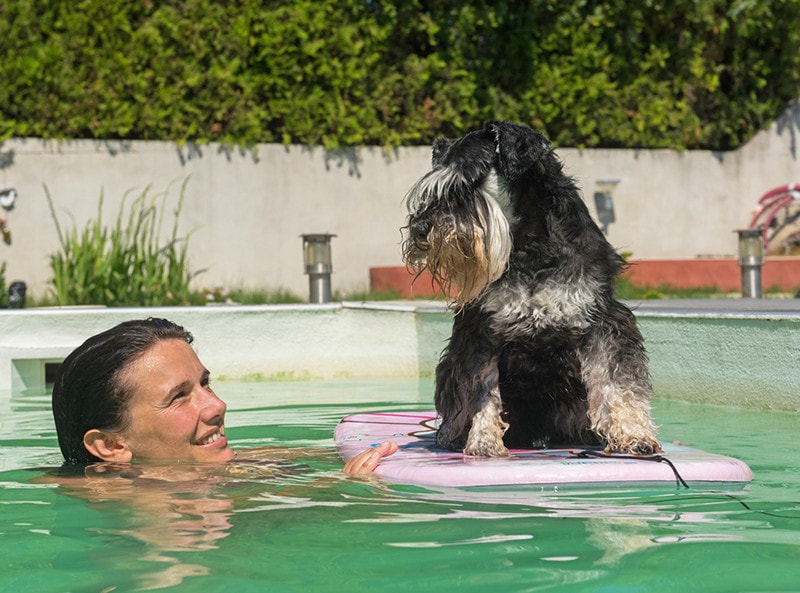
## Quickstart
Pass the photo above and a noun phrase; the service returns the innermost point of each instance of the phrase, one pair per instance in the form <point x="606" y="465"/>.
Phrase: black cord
<point x="759" y="511"/>
<point x="716" y="495"/>
<point x="679" y="481"/>
<point x="678" y="478"/>
<point x="588" y="453"/>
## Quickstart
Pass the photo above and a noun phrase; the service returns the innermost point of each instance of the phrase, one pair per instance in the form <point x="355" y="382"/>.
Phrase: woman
<point x="139" y="392"/>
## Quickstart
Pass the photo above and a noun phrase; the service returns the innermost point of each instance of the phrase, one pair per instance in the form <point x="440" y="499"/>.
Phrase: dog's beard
<point x="467" y="247"/>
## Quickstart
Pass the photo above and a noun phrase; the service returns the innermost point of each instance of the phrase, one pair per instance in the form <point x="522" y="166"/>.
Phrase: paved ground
<point x="722" y="307"/>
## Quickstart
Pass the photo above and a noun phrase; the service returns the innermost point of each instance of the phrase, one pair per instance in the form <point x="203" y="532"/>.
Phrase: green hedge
<point x="611" y="73"/>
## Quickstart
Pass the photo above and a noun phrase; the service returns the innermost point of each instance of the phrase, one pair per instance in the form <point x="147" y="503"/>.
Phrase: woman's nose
<point x="213" y="406"/>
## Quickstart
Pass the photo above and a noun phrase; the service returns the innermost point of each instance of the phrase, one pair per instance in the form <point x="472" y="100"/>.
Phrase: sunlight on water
<point x="287" y="520"/>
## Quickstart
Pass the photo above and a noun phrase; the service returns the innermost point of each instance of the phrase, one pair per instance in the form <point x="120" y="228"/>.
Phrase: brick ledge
<point x="723" y="274"/>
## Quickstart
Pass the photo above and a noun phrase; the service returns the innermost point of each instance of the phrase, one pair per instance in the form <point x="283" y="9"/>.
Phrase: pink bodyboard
<point x="419" y="461"/>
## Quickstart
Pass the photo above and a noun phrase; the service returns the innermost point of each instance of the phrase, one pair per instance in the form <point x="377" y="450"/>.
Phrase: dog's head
<point x="463" y="211"/>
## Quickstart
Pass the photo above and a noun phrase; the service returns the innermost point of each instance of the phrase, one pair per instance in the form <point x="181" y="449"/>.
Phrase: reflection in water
<point x="615" y="524"/>
<point x="367" y="536"/>
<point x="175" y="508"/>
<point x="183" y="521"/>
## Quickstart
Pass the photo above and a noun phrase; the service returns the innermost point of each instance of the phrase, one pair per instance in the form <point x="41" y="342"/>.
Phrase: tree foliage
<point x="603" y="73"/>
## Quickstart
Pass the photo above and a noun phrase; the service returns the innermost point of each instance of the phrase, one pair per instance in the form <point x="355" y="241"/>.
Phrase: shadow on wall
<point x="789" y="122"/>
<point x="6" y="157"/>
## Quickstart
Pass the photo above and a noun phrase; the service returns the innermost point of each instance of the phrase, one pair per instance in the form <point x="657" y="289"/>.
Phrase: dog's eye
<point x="419" y="233"/>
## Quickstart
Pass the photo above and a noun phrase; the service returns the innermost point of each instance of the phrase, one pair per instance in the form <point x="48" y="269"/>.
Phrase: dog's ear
<point x="440" y="145"/>
<point x="519" y="149"/>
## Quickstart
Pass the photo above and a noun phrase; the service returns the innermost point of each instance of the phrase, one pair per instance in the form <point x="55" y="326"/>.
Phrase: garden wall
<point x="246" y="209"/>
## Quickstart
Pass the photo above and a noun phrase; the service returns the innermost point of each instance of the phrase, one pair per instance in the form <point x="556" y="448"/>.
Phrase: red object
<point x="782" y="273"/>
<point x="770" y="204"/>
<point x="725" y="275"/>
<point x="404" y="282"/>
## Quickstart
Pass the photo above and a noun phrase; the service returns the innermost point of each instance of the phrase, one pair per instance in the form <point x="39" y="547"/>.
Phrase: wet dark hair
<point x="89" y="391"/>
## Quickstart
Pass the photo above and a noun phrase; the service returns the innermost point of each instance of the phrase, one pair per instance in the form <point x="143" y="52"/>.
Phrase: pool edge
<point x="740" y="353"/>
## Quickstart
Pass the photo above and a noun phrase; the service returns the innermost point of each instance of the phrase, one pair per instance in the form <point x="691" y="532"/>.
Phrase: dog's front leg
<point x="486" y="433"/>
<point x="468" y="400"/>
<point x="614" y="369"/>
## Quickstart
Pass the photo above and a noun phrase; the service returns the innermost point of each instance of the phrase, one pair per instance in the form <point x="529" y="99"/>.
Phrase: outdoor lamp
<point x="604" y="202"/>
<point x="317" y="251"/>
<point x="751" y="257"/>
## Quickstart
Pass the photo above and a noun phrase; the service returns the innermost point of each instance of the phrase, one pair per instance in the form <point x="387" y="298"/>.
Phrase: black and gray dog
<point x="541" y="351"/>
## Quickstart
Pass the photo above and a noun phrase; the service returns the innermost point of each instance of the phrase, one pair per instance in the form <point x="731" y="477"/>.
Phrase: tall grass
<point x="127" y="264"/>
<point x="3" y="288"/>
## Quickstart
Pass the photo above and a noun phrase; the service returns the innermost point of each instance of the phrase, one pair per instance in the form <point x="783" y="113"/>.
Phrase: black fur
<point x="540" y="347"/>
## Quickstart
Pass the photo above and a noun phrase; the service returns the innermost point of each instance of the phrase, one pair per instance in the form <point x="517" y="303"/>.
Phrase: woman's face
<point x="173" y="414"/>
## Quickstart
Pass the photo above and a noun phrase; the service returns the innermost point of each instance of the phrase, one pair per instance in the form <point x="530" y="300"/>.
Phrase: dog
<point x="541" y="352"/>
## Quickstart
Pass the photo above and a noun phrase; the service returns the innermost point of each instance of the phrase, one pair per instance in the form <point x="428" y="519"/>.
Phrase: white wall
<point x="248" y="209"/>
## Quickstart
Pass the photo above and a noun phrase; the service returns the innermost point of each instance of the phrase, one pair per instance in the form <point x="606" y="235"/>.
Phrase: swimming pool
<point x="300" y="526"/>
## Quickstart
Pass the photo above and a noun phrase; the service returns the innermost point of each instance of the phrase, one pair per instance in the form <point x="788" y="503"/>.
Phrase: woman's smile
<point x="173" y="412"/>
<point x="213" y="438"/>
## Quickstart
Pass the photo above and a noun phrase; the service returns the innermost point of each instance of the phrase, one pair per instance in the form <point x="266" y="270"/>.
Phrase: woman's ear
<point x="106" y="446"/>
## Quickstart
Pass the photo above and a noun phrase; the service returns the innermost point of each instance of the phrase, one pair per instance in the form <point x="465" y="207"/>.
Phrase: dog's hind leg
<point x="452" y="404"/>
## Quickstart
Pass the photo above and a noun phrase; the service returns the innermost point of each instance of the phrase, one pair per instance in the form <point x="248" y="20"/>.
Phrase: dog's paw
<point x="635" y="447"/>
<point x="485" y="437"/>
<point x="480" y="449"/>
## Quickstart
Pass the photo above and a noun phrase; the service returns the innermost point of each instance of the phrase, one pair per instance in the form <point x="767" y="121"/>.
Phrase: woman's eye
<point x="178" y="397"/>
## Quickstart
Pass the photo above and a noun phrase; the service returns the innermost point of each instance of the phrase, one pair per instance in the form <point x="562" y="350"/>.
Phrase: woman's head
<point x="138" y="391"/>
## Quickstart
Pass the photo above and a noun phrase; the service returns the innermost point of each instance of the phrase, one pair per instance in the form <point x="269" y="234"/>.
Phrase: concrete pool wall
<point x="734" y="352"/>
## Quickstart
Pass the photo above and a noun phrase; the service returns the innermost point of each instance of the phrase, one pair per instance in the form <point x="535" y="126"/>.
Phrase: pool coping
<point x="740" y="352"/>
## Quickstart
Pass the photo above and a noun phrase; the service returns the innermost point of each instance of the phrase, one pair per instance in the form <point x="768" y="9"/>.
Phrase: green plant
<point x="626" y="290"/>
<point x="244" y="296"/>
<point x="3" y="287"/>
<point x="125" y="265"/>
<point x="365" y="295"/>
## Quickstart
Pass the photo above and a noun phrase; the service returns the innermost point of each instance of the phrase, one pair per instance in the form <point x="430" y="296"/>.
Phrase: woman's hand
<point x="365" y="462"/>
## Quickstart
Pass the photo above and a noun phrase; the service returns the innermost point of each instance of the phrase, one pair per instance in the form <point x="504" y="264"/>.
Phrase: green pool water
<point x="301" y="526"/>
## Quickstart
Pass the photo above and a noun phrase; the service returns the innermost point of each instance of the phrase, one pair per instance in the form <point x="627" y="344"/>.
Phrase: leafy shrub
<point x="608" y="73"/>
<point x="3" y="287"/>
